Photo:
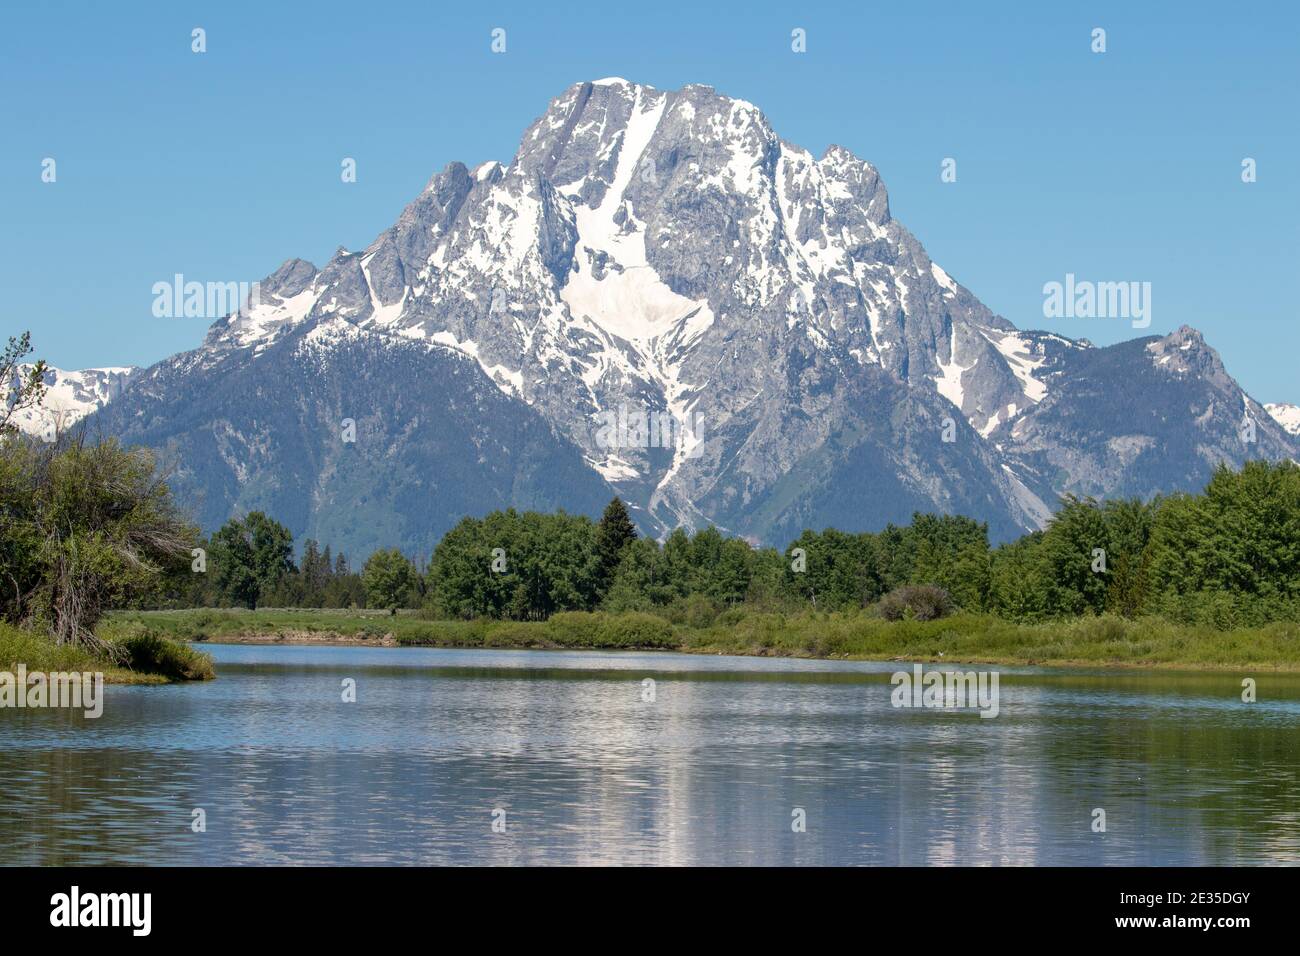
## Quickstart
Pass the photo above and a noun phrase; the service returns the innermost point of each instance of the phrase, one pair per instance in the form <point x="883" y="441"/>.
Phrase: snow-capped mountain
<point x="709" y="320"/>
<point x="70" y="396"/>
<point x="1286" y="415"/>
<point x="1150" y="415"/>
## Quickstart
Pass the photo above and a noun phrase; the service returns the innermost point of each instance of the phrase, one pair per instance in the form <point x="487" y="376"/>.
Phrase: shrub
<point x="581" y="628"/>
<point x="637" y="629"/>
<point x="84" y="528"/>
<point x="921" y="602"/>
<point x="731" y="616"/>
<point x="433" y="632"/>
<point x="694" y="610"/>
<point x="517" y="634"/>
<point x="151" y="653"/>
<point x="1101" y="629"/>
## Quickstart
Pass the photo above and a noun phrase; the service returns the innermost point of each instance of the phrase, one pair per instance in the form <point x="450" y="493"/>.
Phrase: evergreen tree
<point x="1015" y="580"/>
<point x="638" y="583"/>
<point x="1129" y="523"/>
<point x="614" y="533"/>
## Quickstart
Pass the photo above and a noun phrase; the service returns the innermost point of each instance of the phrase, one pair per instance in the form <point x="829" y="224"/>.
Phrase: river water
<point x="508" y="757"/>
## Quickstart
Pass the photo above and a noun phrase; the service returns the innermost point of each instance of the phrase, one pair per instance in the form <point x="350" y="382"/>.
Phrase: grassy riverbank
<point x="1105" y="640"/>
<point x="147" y="656"/>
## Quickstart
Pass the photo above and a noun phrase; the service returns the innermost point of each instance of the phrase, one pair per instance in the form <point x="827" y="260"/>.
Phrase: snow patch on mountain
<point x="943" y="279"/>
<point x="950" y="372"/>
<point x="1286" y="415"/>
<point x="70" y="396"/>
<point x="259" y="324"/>
<point x="510" y="381"/>
<point x="614" y="284"/>
<point x="1022" y="360"/>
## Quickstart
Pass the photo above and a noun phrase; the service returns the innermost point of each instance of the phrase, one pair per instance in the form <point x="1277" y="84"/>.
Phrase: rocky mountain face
<point x="660" y="298"/>
<point x="1138" y="418"/>
<point x="353" y="437"/>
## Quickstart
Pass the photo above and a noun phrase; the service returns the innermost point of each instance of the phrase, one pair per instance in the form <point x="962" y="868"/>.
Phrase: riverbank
<point x="146" y="656"/>
<point x="964" y="638"/>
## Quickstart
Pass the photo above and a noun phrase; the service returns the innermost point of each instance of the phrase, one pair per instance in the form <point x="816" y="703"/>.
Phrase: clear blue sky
<point x="1124" y="165"/>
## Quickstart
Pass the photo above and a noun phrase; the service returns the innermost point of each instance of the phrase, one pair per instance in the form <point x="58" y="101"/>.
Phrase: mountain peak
<point x="1186" y="335"/>
<point x="1184" y="352"/>
<point x="795" y="355"/>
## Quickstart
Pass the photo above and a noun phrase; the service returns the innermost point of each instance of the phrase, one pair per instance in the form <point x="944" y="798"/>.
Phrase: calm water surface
<point x="708" y="773"/>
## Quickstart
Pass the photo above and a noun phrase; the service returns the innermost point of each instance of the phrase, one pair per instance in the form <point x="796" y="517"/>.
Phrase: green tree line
<point x="249" y="562"/>
<point x="1229" y="556"/>
<point x="85" y="528"/>
<point x="89" y="527"/>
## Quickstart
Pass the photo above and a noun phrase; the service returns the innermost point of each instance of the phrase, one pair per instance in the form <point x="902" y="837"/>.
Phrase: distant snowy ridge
<point x="1286" y="415"/>
<point x="70" y="396"/>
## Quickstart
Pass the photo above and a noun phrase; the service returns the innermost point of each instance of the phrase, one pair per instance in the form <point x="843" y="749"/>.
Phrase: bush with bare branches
<point x="84" y="527"/>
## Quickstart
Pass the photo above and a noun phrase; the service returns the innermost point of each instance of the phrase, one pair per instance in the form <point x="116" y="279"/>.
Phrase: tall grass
<point x="146" y="657"/>
<point x="1102" y="639"/>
